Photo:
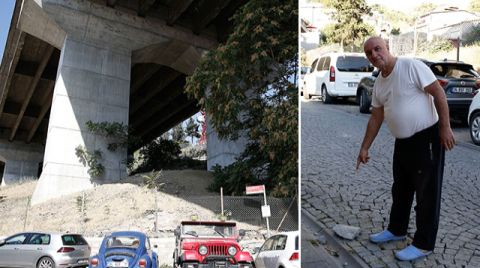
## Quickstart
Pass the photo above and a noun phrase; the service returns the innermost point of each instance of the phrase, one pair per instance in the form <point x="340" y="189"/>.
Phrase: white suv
<point x="336" y="75"/>
<point x="474" y="119"/>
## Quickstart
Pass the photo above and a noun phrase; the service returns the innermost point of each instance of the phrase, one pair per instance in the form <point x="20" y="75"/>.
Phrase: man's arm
<point x="440" y="100"/>
<point x="373" y="127"/>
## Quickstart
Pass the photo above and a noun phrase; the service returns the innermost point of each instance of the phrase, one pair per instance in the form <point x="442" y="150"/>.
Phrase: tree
<point x="247" y="87"/>
<point x="423" y="9"/>
<point x="178" y="134"/>
<point x="350" y="30"/>
<point x="395" y="31"/>
<point x="192" y="129"/>
<point x="474" y="5"/>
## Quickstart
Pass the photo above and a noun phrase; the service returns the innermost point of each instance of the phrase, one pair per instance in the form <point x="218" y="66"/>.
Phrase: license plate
<point x="467" y="90"/>
<point x="352" y="84"/>
<point x="123" y="263"/>
<point x="82" y="261"/>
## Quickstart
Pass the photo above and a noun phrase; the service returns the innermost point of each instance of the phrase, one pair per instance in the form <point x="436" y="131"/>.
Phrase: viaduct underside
<point x="71" y="61"/>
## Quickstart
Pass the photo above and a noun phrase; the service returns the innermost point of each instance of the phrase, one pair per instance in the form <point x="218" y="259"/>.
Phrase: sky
<point x="6" y="9"/>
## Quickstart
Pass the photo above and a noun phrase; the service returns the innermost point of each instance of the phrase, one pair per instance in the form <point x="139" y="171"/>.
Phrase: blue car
<point x="126" y="250"/>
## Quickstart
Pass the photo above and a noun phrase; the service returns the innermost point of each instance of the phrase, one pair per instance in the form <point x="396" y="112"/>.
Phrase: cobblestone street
<point x="334" y="193"/>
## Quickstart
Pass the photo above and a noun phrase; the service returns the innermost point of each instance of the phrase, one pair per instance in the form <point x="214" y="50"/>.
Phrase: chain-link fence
<point x="284" y="211"/>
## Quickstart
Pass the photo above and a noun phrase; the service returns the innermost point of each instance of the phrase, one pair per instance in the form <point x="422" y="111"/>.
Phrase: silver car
<point x="44" y="250"/>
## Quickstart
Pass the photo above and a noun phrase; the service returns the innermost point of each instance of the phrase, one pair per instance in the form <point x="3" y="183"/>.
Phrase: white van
<point x="336" y="75"/>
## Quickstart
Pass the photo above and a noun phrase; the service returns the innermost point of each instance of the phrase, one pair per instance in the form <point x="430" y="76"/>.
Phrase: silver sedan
<point x="44" y="250"/>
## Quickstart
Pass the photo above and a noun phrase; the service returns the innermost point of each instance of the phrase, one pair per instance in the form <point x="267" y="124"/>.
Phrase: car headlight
<point x="203" y="250"/>
<point x="232" y="250"/>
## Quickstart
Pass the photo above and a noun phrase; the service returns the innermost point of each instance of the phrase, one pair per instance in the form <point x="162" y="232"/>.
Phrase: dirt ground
<point x="126" y="205"/>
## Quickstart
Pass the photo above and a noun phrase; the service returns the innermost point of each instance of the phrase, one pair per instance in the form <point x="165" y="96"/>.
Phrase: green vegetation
<point x="349" y="29"/>
<point x="251" y="93"/>
<point x="90" y="159"/>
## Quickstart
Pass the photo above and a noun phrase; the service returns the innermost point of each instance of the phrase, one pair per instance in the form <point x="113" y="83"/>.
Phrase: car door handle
<point x="39" y="248"/>
<point x="16" y="248"/>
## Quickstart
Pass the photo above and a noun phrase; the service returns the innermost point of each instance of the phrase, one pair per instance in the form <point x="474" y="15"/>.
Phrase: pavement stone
<point x="335" y="193"/>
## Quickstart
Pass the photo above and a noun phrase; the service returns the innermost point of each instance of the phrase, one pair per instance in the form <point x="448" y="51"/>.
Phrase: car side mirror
<point x="375" y="73"/>
<point x="176" y="232"/>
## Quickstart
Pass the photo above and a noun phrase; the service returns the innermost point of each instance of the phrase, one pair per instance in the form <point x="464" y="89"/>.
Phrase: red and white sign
<point x="256" y="189"/>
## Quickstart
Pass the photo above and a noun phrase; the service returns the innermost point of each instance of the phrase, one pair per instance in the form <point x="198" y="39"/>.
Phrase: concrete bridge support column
<point x="21" y="161"/>
<point x="93" y="83"/>
<point x="220" y="151"/>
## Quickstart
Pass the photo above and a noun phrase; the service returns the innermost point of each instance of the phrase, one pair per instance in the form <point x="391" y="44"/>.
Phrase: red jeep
<point x="205" y="244"/>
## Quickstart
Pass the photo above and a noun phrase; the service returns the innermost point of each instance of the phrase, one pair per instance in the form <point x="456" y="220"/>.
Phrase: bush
<point x="157" y="155"/>
<point x="232" y="178"/>
<point x="165" y="154"/>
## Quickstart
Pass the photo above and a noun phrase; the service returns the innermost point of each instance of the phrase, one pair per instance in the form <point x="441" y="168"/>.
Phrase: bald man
<point x="407" y="95"/>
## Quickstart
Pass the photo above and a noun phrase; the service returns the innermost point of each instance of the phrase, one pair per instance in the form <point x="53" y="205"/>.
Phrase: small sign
<point x="266" y="211"/>
<point x="256" y="189"/>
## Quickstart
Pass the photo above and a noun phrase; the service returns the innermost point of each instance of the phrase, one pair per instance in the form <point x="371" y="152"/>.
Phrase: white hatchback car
<point x="279" y="251"/>
<point x="474" y="119"/>
<point x="44" y="250"/>
<point x="336" y="75"/>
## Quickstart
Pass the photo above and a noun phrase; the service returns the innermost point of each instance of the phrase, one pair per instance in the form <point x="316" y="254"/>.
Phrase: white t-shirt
<point x="408" y="109"/>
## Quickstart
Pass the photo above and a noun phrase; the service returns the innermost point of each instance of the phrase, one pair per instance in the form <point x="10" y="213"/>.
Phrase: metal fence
<point x="248" y="210"/>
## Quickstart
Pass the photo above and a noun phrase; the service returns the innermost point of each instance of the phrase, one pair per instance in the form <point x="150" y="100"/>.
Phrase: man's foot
<point x="411" y="253"/>
<point x="385" y="236"/>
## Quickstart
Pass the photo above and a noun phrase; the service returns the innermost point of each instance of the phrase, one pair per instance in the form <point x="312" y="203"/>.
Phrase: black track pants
<point x="418" y="169"/>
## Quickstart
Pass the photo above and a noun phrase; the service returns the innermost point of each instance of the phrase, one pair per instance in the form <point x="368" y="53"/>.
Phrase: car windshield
<point x="354" y="64"/>
<point x="123" y="242"/>
<point x="455" y="71"/>
<point x="208" y="230"/>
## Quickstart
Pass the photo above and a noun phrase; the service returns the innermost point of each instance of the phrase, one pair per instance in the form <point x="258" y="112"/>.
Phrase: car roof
<point x="430" y="62"/>
<point x="128" y="233"/>
<point x="220" y="223"/>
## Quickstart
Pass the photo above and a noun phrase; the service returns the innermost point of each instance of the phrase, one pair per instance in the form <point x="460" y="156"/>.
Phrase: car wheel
<point x="363" y="102"/>
<point x="326" y="98"/>
<point x="46" y="262"/>
<point x="475" y="128"/>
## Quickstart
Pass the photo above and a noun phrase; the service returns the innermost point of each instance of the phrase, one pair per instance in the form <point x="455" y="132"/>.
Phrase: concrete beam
<point x="177" y="10"/>
<point x="172" y="92"/>
<point x="11" y="56"/>
<point x="43" y="112"/>
<point x="153" y="89"/>
<point x="120" y="31"/>
<point x="171" y="121"/>
<point x="34" y="21"/>
<point x="144" y="6"/>
<point x="178" y="55"/>
<point x="33" y="85"/>
<point x="111" y="3"/>
<point x="170" y="110"/>
<point x="144" y="75"/>
<point x="208" y="11"/>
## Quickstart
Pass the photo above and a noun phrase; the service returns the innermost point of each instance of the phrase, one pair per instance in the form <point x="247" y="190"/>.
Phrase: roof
<point x="223" y="223"/>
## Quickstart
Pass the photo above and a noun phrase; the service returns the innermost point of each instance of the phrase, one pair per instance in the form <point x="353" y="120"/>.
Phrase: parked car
<point x="204" y="244"/>
<point x="364" y="92"/>
<point x="303" y="70"/>
<point x="474" y="119"/>
<point x="44" y="250"/>
<point x="127" y="249"/>
<point x="458" y="79"/>
<point x="336" y="75"/>
<point x="281" y="250"/>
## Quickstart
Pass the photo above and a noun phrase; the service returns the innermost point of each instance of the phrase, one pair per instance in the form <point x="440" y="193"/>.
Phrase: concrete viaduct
<point x="70" y="61"/>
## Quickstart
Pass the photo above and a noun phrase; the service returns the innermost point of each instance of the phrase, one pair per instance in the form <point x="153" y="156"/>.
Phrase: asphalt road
<point x="335" y="193"/>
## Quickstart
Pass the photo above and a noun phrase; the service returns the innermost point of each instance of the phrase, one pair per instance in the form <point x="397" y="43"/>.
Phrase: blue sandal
<point x="411" y="253"/>
<point x="385" y="236"/>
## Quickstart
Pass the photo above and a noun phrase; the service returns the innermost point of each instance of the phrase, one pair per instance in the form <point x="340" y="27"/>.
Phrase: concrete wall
<point x="21" y="161"/>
